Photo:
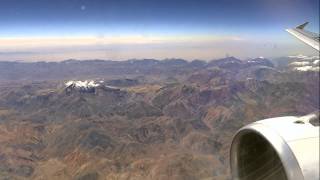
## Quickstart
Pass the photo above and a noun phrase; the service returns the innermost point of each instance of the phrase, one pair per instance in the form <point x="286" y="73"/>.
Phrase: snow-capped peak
<point x="82" y="84"/>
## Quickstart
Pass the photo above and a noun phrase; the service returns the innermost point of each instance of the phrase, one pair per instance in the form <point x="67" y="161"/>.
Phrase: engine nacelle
<point x="283" y="148"/>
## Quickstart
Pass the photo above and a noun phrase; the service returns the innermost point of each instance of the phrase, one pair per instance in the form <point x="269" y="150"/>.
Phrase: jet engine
<point x="282" y="148"/>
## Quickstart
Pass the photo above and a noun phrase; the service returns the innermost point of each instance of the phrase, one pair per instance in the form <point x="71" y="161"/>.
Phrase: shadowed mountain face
<point x="144" y="119"/>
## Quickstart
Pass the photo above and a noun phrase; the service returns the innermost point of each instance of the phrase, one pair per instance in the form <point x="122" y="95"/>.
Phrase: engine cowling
<point x="283" y="148"/>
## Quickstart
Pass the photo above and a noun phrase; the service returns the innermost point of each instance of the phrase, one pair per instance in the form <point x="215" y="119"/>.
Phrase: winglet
<point x="302" y="25"/>
<point x="310" y="38"/>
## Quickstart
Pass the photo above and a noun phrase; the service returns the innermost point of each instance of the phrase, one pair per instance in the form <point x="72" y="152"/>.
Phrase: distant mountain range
<point x="98" y="68"/>
<point x="70" y="69"/>
<point x="139" y="119"/>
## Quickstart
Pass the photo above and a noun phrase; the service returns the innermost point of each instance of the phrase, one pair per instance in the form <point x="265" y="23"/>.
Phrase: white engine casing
<point x="294" y="139"/>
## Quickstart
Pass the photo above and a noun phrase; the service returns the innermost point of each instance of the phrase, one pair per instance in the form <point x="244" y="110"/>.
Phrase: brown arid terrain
<point x="141" y="119"/>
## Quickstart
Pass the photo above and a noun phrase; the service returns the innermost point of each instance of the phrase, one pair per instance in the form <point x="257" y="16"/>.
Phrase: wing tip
<point x="302" y="26"/>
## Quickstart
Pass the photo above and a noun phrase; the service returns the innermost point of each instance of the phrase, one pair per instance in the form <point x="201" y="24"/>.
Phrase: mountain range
<point x="139" y="119"/>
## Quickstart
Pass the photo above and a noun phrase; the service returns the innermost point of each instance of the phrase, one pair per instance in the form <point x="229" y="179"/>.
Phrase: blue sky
<point x="119" y="29"/>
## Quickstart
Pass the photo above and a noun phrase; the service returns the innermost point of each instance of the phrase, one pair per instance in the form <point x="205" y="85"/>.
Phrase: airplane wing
<point x="310" y="38"/>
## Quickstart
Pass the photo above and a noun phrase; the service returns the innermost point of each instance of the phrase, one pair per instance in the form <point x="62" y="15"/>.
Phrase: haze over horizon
<point x="119" y="30"/>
